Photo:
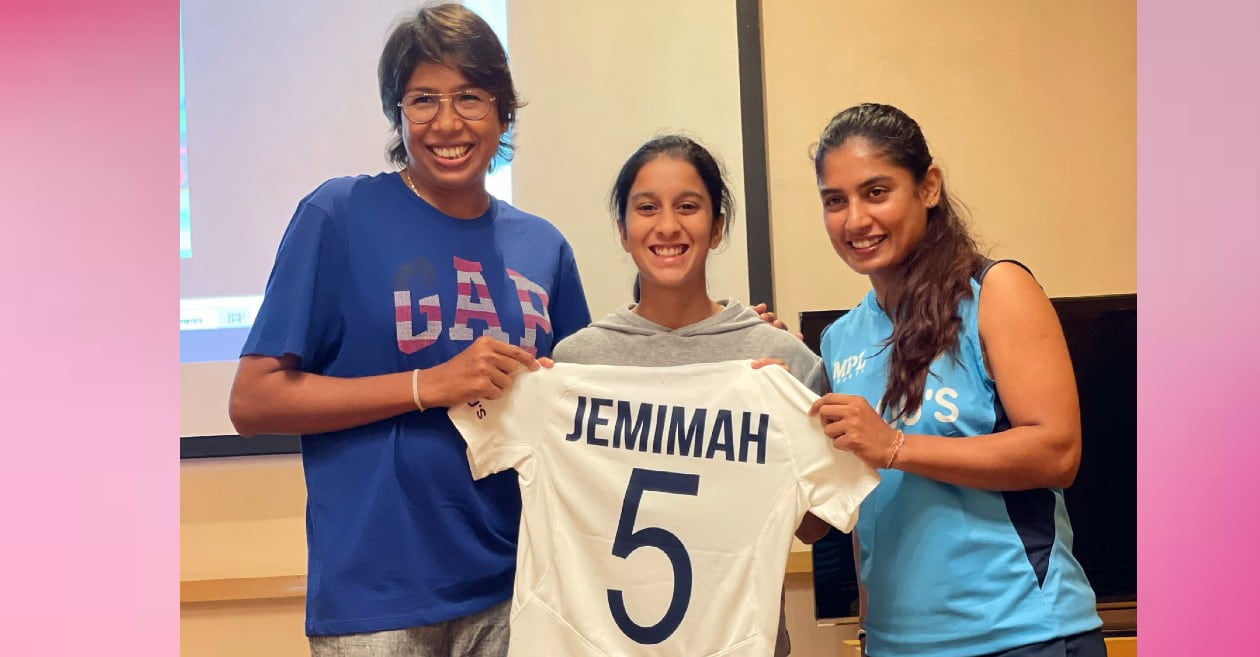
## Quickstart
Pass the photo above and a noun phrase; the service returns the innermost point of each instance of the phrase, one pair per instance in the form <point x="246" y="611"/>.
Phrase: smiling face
<point x="448" y="156"/>
<point x="874" y="211"/>
<point x="670" y="226"/>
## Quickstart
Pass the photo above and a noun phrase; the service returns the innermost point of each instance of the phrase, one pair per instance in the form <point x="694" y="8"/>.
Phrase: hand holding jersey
<point x="770" y="317"/>
<point x="658" y="522"/>
<point x="855" y="427"/>
<point x="482" y="371"/>
<point x="762" y="362"/>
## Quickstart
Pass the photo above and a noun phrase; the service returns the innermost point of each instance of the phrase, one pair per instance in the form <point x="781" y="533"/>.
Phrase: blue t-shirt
<point x="952" y="571"/>
<point x="371" y="279"/>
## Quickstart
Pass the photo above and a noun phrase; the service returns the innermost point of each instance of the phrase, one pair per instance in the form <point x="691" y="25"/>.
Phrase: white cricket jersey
<point x="659" y="503"/>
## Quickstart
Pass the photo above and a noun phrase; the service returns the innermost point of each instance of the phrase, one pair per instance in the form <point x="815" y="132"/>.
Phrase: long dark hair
<point x="684" y="149"/>
<point x="451" y="35"/>
<point x="936" y="275"/>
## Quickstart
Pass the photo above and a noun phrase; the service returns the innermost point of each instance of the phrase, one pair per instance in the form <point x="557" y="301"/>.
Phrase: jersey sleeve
<point x="500" y="433"/>
<point x="298" y="313"/>
<point x="832" y="482"/>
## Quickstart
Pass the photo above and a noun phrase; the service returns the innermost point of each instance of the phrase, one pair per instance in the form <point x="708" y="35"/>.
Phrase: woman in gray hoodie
<point x="673" y="206"/>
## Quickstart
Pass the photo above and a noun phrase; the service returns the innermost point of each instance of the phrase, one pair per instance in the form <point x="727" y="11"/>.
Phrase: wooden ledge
<point x="294" y="586"/>
<point x="1125" y="646"/>
<point x="242" y="588"/>
<point x="800" y="561"/>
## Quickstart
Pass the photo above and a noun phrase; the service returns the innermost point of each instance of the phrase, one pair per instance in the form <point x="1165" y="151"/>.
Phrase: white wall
<point x="282" y="95"/>
<point x="601" y="78"/>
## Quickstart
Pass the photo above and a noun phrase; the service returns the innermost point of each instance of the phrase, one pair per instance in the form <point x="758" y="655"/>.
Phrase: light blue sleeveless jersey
<point x="953" y="571"/>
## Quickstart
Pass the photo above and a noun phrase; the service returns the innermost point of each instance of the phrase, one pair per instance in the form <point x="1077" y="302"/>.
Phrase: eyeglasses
<point x="469" y="104"/>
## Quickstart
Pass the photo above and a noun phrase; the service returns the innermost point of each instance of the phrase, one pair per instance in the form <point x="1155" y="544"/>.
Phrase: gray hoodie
<point x="735" y="333"/>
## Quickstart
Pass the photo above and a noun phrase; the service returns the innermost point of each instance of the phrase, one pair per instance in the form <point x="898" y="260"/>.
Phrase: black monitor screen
<point x="1101" y="334"/>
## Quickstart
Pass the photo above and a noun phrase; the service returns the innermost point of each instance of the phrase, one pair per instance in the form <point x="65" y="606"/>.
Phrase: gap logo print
<point x="419" y="323"/>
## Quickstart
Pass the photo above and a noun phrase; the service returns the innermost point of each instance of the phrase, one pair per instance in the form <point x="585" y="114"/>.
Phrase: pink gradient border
<point x="1198" y="229"/>
<point x="88" y="278"/>
<point x="89" y="287"/>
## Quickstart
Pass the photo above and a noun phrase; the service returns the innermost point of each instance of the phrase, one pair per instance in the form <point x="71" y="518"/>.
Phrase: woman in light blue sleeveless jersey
<point x="963" y="395"/>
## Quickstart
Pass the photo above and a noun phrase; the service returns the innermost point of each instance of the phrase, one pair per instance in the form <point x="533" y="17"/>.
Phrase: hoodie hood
<point x="733" y="317"/>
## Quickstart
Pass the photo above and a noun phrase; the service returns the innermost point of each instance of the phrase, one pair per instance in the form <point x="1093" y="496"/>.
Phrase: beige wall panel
<point x="1029" y="106"/>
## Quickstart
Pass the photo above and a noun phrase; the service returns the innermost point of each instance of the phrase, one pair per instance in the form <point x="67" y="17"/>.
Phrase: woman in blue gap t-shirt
<point x="392" y="297"/>
<point x="964" y="396"/>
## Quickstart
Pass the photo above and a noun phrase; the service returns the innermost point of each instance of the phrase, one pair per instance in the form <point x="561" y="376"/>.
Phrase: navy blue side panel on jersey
<point x="1032" y="515"/>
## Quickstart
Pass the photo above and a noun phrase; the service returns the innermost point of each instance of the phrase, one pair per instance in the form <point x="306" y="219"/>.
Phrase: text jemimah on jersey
<point x="674" y="430"/>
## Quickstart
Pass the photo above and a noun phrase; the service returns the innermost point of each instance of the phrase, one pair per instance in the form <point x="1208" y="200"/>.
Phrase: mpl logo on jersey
<point x="846" y="368"/>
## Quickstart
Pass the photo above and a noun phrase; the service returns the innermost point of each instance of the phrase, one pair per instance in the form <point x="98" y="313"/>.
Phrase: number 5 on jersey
<point x="628" y="540"/>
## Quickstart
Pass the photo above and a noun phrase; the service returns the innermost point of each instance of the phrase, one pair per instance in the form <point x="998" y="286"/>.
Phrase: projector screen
<point x="271" y="118"/>
<point x="277" y="97"/>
